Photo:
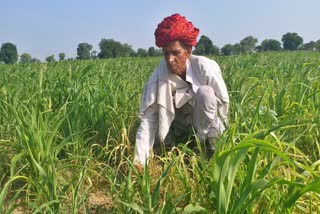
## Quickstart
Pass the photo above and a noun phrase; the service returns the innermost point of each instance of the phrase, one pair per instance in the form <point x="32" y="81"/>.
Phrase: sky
<point x="43" y="27"/>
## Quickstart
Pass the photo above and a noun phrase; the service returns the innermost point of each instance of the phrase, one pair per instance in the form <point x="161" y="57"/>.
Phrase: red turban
<point x="176" y="27"/>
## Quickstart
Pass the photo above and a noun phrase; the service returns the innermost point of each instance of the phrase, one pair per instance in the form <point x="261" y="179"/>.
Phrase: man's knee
<point x="205" y="95"/>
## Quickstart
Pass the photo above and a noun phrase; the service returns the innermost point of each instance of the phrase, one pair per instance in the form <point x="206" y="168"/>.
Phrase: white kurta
<point x="165" y="91"/>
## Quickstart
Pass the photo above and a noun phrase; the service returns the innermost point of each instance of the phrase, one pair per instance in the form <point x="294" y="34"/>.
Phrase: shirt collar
<point x="190" y="76"/>
<point x="188" y="71"/>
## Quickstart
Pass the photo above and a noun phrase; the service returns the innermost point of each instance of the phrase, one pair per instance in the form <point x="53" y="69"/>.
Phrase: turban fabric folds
<point x="176" y="27"/>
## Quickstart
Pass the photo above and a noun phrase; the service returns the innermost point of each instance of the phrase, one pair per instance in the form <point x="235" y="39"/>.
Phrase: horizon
<point x="49" y="28"/>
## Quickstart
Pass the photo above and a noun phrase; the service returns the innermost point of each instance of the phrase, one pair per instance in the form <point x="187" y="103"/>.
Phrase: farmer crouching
<point x="185" y="88"/>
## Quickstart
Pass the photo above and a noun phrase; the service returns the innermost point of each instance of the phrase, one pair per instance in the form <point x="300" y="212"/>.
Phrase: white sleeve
<point x="146" y="134"/>
<point x="217" y="82"/>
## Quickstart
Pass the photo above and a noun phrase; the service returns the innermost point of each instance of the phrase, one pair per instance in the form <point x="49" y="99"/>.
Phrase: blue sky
<point x="43" y="28"/>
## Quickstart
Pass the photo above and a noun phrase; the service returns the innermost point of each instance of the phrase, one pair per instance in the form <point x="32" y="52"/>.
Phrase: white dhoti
<point x="205" y="114"/>
<point x="200" y="102"/>
<point x="202" y="115"/>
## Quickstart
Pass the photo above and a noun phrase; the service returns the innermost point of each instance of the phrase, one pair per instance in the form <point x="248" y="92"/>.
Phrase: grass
<point x="67" y="134"/>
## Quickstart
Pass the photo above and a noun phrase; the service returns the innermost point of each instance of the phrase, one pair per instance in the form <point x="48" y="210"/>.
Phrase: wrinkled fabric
<point x="176" y="27"/>
<point x="205" y="114"/>
<point x="160" y="100"/>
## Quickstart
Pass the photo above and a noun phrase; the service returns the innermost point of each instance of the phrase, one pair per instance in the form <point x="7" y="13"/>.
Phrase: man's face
<point x="176" y="56"/>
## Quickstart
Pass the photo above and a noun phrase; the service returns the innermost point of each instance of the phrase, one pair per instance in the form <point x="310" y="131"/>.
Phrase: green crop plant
<point x="67" y="134"/>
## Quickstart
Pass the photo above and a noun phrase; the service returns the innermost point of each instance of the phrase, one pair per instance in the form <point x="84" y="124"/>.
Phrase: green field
<point x="67" y="133"/>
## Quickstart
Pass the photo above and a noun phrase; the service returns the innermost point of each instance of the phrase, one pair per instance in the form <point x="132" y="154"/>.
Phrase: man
<point x="184" y="88"/>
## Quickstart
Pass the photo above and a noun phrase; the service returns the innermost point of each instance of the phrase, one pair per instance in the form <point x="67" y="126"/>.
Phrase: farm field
<point x="67" y="133"/>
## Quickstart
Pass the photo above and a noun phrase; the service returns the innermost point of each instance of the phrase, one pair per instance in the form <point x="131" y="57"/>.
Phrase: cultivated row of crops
<point x="67" y="133"/>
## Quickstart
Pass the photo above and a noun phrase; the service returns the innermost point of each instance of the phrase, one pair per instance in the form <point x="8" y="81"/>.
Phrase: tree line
<point x="109" y="48"/>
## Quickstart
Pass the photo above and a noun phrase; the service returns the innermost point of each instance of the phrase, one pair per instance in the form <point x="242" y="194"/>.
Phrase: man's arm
<point x="216" y="81"/>
<point x="146" y="134"/>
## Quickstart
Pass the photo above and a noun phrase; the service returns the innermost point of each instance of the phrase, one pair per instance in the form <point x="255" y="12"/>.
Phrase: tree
<point x="83" y="51"/>
<point x="127" y="50"/>
<point x="110" y="48"/>
<point x="291" y="41"/>
<point x="62" y="56"/>
<point x="206" y="47"/>
<point x="50" y="58"/>
<point x="227" y="50"/>
<point x="142" y="52"/>
<point x="236" y="49"/>
<point x="34" y="60"/>
<point x="310" y="46"/>
<point x="270" y="45"/>
<point x="248" y="44"/>
<point x="318" y="45"/>
<point x="154" y="52"/>
<point x="25" y="58"/>
<point x="8" y="53"/>
<point x="94" y="54"/>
